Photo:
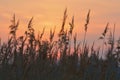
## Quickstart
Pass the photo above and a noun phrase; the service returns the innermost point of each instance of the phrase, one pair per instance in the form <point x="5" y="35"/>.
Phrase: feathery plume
<point x="30" y="23"/>
<point x="105" y="30"/>
<point x="64" y="21"/>
<point x="71" y="26"/>
<point x="87" y="21"/>
<point x="52" y="34"/>
<point x="42" y="33"/>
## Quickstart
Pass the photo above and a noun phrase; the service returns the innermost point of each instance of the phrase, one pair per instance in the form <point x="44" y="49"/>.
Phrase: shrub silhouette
<point x="31" y="58"/>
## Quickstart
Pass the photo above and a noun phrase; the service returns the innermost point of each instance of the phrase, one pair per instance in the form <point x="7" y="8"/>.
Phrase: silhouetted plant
<point x="29" y="58"/>
<point x="103" y="36"/>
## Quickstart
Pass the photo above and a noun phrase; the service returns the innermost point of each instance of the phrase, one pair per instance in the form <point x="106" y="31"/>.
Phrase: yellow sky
<point x="49" y="13"/>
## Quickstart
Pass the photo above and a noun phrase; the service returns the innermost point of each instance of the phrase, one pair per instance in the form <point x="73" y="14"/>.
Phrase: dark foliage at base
<point x="30" y="58"/>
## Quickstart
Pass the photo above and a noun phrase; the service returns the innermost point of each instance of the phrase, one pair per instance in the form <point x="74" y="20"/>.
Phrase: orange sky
<point x="49" y="13"/>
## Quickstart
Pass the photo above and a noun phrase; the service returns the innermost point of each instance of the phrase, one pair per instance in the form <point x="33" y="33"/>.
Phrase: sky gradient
<point x="49" y="13"/>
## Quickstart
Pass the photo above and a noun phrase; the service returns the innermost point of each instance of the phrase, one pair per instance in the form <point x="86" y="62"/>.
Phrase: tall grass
<point x="31" y="58"/>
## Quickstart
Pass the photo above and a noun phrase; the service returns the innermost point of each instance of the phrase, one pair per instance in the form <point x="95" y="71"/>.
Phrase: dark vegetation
<point x="31" y="58"/>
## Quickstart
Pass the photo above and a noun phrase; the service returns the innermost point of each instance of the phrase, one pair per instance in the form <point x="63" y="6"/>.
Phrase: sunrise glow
<point x="49" y="13"/>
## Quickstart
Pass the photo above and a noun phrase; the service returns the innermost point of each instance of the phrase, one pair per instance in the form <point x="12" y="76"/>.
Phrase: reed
<point x="29" y="58"/>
